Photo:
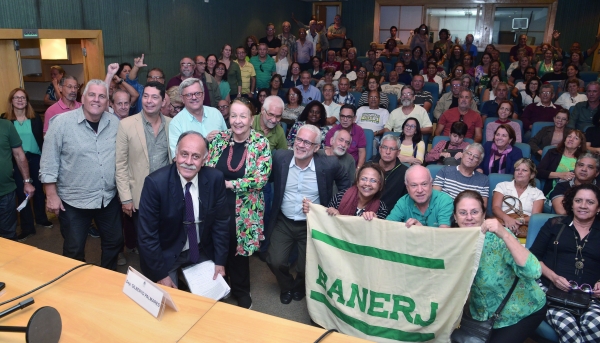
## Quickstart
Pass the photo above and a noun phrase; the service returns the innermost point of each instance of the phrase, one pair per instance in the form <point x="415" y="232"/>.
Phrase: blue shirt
<point x="438" y="213"/>
<point x="313" y="93"/>
<point x="349" y="100"/>
<point x="212" y="120"/>
<point x="472" y="51"/>
<point x="301" y="183"/>
<point x="135" y="84"/>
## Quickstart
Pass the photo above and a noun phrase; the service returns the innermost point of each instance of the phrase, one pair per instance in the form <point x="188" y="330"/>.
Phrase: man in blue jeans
<point x="78" y="172"/>
<point x="10" y="146"/>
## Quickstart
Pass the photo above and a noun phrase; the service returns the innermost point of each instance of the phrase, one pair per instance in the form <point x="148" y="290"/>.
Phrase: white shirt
<point x="314" y="40"/>
<point x="527" y="198"/>
<point x="333" y="110"/>
<point x="195" y="201"/>
<point x="282" y="67"/>
<point x="301" y="183"/>
<point x="566" y="101"/>
<point x="371" y="119"/>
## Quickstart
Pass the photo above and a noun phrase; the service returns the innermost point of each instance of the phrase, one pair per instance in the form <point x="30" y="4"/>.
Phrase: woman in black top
<point x="576" y="264"/>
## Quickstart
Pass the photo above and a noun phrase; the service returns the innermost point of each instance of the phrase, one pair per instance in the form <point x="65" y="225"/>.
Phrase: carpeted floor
<point x="264" y="289"/>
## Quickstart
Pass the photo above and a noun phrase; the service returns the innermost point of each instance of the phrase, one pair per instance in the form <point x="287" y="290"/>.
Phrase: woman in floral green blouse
<point x="244" y="157"/>
<point x="502" y="260"/>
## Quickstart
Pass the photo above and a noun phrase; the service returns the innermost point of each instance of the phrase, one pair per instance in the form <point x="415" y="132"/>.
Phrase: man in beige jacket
<point x="142" y="147"/>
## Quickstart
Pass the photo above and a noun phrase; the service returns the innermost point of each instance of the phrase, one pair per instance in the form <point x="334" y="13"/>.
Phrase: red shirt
<point x="58" y="108"/>
<point x="471" y="118"/>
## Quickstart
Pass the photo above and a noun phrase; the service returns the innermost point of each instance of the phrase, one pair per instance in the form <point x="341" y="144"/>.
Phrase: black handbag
<point x="575" y="302"/>
<point x="475" y="331"/>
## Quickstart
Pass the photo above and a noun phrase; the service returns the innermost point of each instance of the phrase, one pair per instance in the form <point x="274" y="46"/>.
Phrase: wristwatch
<point x="28" y="180"/>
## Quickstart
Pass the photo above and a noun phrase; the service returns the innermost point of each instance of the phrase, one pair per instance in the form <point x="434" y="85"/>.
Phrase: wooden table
<point x="228" y="324"/>
<point x="93" y="307"/>
<point x="91" y="303"/>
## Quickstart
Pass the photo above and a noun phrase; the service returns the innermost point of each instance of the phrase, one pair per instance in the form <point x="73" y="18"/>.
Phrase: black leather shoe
<point x="286" y="297"/>
<point x="298" y="295"/>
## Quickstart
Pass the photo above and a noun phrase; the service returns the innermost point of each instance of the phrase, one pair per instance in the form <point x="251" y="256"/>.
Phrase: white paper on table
<point x="200" y="280"/>
<point x="23" y="204"/>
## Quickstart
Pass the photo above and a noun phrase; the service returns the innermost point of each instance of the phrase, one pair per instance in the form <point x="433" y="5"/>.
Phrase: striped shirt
<point x="453" y="182"/>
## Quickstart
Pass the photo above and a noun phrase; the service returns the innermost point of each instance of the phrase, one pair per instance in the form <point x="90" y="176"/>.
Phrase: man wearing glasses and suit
<point x="299" y="176"/>
<point x="183" y="216"/>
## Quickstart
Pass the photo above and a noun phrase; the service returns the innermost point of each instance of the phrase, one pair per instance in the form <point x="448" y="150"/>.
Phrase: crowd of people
<point x="221" y="161"/>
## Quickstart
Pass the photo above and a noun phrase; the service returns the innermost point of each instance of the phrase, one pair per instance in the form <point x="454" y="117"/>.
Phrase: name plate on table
<point x="147" y="294"/>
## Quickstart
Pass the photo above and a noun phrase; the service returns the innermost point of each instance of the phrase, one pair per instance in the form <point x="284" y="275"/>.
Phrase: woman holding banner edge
<point x="502" y="260"/>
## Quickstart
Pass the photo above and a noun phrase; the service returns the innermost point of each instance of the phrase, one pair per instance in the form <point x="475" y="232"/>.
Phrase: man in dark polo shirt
<point x="273" y="43"/>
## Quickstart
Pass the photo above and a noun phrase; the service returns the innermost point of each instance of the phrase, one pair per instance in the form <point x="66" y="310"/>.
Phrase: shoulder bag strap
<point x="556" y="244"/>
<point x="511" y="207"/>
<point x="501" y="307"/>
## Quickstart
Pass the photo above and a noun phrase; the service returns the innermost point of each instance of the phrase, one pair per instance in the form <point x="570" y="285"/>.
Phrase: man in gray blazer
<point x="297" y="175"/>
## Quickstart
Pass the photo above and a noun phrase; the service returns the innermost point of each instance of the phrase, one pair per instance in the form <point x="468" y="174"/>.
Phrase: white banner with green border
<point x="380" y="281"/>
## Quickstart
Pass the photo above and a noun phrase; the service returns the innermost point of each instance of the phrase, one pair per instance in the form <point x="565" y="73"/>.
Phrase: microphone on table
<point x="44" y="326"/>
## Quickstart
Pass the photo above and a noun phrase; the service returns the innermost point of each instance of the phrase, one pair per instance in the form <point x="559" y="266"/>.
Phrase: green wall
<point x="166" y="30"/>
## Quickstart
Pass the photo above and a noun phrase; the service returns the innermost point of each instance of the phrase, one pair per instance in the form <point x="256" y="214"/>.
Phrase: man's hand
<point x="305" y="205"/>
<point x="28" y="189"/>
<point x="412" y="221"/>
<point x="139" y="62"/>
<point x="54" y="204"/>
<point x="219" y="270"/>
<point x="555" y="35"/>
<point x="128" y="208"/>
<point x="167" y="282"/>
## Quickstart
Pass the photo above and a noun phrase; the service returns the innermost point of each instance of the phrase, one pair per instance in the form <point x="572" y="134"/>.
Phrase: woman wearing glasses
<point x="29" y="127"/>
<point x="503" y="259"/>
<point x="315" y="114"/>
<point x="363" y="198"/>
<point x="412" y="148"/>
<point x="571" y="261"/>
<point x="220" y="74"/>
<point x="176" y="102"/>
<point x="244" y="157"/>
<point x="293" y="76"/>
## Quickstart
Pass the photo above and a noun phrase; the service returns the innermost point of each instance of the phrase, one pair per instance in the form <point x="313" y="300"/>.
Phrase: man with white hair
<point x="195" y="116"/>
<point x="423" y="205"/>
<point x="340" y="142"/>
<point x="455" y="179"/>
<point x="408" y="110"/>
<point x="173" y="233"/>
<point x="78" y="172"/>
<point x="299" y="176"/>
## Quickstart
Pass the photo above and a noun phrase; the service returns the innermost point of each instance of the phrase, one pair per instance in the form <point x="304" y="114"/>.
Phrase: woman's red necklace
<point x="242" y="160"/>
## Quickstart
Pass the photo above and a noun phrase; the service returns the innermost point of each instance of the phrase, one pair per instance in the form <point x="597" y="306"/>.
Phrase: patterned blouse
<point x="249" y="203"/>
<point x="292" y="113"/>
<point x="494" y="278"/>
<point x="294" y="130"/>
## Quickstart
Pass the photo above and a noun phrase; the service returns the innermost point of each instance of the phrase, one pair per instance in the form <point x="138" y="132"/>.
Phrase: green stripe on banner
<point x="382" y="254"/>
<point x="372" y="330"/>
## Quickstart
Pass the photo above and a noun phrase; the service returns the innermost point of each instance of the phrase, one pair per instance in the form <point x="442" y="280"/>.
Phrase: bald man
<point x="423" y="205"/>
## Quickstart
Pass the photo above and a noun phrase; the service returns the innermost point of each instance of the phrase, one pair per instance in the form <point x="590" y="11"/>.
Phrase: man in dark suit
<point x="175" y="232"/>
<point x="297" y="175"/>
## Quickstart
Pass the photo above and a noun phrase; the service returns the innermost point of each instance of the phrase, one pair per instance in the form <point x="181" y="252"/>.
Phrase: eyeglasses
<point x="584" y="287"/>
<point x="470" y="154"/>
<point x="373" y="98"/>
<point x="187" y="64"/>
<point x="192" y="95"/>
<point x="546" y="93"/>
<point x="73" y="88"/>
<point x="473" y="213"/>
<point x="361" y="71"/>
<point x="176" y="108"/>
<point x="304" y="142"/>
<point x="222" y="107"/>
<point x="155" y="77"/>
<point x="19" y="98"/>
<point x="346" y="117"/>
<point x="456" y="86"/>
<point x="407" y="95"/>
<point x="220" y="69"/>
<point x="388" y="148"/>
<point x="412" y="127"/>
<point x="366" y="179"/>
